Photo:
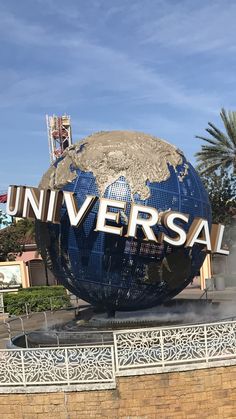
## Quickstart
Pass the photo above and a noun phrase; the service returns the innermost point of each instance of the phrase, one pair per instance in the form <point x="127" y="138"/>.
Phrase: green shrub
<point x="37" y="299"/>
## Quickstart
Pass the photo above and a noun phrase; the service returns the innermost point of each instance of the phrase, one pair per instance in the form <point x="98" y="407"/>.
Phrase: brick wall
<point x="209" y="393"/>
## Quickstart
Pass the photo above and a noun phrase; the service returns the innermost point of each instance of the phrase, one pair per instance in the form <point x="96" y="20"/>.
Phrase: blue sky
<point x="163" y="67"/>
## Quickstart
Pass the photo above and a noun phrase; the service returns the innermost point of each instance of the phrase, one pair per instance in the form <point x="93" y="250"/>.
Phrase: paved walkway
<point x="34" y="321"/>
<point x="193" y="293"/>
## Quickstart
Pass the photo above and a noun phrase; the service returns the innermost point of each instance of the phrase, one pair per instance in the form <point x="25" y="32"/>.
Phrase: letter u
<point x="15" y="200"/>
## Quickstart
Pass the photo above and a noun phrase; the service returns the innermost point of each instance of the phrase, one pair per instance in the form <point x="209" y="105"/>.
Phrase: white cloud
<point x="104" y="69"/>
<point x="192" y="27"/>
<point x="21" y="32"/>
<point x="111" y="65"/>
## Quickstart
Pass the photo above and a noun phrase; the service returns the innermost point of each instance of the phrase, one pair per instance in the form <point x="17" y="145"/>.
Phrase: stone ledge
<point x="176" y="368"/>
<point x="56" y="389"/>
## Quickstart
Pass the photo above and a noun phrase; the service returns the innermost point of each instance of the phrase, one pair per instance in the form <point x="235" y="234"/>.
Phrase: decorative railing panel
<point x="42" y="366"/>
<point x="73" y="365"/>
<point x="11" y="368"/>
<point x="221" y="339"/>
<point x="183" y="344"/>
<point x="138" y="348"/>
<point x="163" y="347"/>
<point x="90" y="364"/>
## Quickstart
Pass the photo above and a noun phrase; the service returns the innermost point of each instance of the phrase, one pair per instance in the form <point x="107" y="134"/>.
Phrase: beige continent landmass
<point x="108" y="155"/>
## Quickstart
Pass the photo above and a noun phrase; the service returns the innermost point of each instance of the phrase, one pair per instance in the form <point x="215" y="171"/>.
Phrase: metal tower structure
<point x="59" y="135"/>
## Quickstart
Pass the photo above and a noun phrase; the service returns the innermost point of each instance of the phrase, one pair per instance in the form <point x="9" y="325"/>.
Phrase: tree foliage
<point x="10" y="243"/>
<point x="14" y="237"/>
<point x="26" y="229"/>
<point x="221" y="189"/>
<point x="219" y="149"/>
<point x="3" y="219"/>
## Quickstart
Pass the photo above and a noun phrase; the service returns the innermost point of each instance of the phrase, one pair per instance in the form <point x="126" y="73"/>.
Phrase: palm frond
<point x="229" y="126"/>
<point x="208" y="140"/>
<point x="219" y="150"/>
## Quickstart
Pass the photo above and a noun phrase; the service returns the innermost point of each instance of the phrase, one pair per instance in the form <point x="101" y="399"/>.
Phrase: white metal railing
<point x="133" y="350"/>
<point x="50" y="366"/>
<point x="163" y="347"/>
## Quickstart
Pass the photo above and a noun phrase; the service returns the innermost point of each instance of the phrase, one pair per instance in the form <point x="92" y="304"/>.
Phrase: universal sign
<point x="45" y="205"/>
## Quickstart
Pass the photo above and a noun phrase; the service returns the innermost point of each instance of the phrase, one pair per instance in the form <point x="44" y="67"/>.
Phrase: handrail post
<point x="22" y="324"/>
<point x="205" y="338"/>
<point x="26" y="341"/>
<point x="46" y="320"/>
<point x="67" y="366"/>
<point x="58" y="342"/>
<point x="7" y="324"/>
<point x="116" y="353"/>
<point x="26" y="310"/>
<point x="23" y="368"/>
<point x="162" y="349"/>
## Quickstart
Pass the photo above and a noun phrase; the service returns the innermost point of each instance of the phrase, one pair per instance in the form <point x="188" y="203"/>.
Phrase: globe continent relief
<point x="115" y="272"/>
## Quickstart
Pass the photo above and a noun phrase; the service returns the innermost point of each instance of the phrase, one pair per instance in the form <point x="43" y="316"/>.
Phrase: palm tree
<point x="220" y="150"/>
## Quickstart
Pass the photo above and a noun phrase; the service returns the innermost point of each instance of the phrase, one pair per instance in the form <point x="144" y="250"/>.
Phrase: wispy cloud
<point x="161" y="66"/>
<point x="192" y="27"/>
<point x="20" y="32"/>
<point x="114" y="76"/>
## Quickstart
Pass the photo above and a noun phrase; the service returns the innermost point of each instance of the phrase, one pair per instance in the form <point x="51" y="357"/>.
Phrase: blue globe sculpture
<point x="109" y="271"/>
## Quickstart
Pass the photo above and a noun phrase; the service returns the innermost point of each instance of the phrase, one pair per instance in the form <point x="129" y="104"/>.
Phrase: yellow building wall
<point x="205" y="271"/>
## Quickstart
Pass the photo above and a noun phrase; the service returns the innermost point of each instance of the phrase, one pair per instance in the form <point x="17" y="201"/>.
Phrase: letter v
<point x="77" y="215"/>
